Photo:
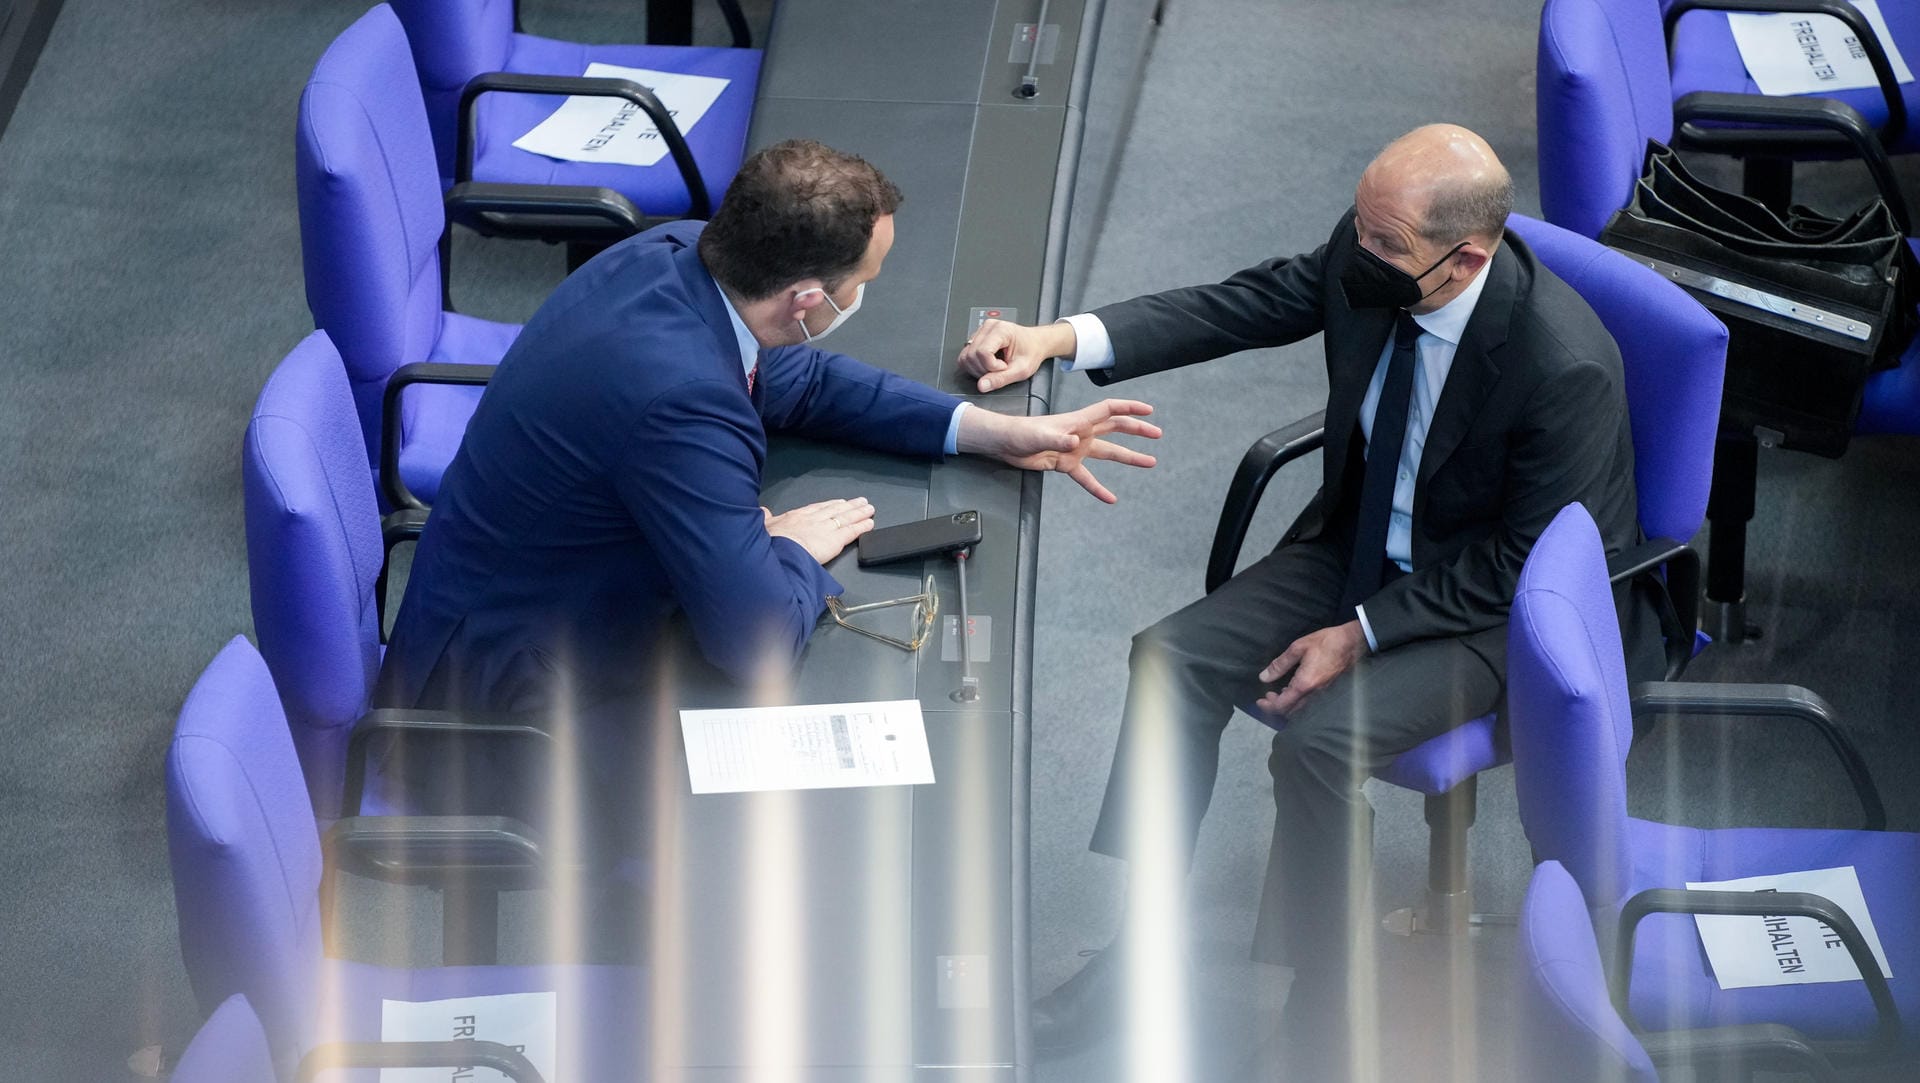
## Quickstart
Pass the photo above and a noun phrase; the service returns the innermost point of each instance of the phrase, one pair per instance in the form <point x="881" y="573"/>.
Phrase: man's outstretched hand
<point x="1062" y="442"/>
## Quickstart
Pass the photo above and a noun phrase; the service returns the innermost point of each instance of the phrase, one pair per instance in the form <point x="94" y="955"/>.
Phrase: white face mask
<point x="839" y="314"/>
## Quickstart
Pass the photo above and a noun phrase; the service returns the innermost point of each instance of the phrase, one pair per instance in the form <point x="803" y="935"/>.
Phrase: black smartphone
<point x="940" y="534"/>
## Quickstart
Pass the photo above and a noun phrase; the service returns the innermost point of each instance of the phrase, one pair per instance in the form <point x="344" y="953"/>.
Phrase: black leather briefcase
<point x="1812" y="304"/>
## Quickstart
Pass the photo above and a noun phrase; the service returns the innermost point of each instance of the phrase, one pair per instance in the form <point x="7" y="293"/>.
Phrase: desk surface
<point x="881" y="933"/>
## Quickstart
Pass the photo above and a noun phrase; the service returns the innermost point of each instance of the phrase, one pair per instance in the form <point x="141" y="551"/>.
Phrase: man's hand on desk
<point x="825" y="528"/>
<point x="1061" y="442"/>
<point x="1001" y="353"/>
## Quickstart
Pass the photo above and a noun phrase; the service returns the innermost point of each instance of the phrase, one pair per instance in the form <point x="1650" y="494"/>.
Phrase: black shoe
<point x="1083" y="1010"/>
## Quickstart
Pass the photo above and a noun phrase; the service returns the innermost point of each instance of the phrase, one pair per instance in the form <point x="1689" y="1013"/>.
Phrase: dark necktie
<point x="1383" y="463"/>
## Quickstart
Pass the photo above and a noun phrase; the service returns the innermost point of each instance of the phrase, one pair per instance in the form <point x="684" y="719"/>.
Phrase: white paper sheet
<point x="1750" y="951"/>
<point x="525" y="1021"/>
<point x="1809" y="54"/>
<point x="806" y="748"/>
<point x="586" y="129"/>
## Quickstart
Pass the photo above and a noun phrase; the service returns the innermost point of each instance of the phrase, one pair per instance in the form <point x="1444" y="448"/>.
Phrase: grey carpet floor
<point x="151" y="279"/>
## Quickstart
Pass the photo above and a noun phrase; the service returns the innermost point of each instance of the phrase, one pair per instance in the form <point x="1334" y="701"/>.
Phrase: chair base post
<point x="1730" y="506"/>
<point x="1448" y="909"/>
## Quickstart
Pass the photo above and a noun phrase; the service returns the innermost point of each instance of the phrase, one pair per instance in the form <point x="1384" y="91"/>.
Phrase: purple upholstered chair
<point x="486" y="85"/>
<point x="371" y="223"/>
<point x="1604" y="89"/>
<point x="314" y="557"/>
<point x="1568" y="1031"/>
<point x="1674" y="352"/>
<point x="246" y="856"/>
<point x="317" y="550"/>
<point x="1572" y="721"/>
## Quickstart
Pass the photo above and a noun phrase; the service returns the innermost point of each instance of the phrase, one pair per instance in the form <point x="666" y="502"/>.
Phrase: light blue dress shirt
<point x="750" y="356"/>
<point x="1440" y="332"/>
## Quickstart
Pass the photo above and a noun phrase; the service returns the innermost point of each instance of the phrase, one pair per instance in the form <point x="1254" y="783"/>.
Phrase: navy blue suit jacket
<point x="610" y="476"/>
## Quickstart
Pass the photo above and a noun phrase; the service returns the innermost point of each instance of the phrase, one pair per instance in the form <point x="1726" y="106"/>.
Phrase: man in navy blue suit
<point x="611" y="475"/>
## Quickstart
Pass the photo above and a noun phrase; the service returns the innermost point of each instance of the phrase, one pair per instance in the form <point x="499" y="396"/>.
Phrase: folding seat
<point x="1572" y="718"/>
<point x="246" y="857"/>
<point x="486" y="85"/>
<point x="371" y="225"/>
<point x="1675" y="353"/>
<point x="1605" y="87"/>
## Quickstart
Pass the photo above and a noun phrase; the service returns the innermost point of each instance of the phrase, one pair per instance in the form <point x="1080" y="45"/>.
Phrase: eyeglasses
<point x="926" y="605"/>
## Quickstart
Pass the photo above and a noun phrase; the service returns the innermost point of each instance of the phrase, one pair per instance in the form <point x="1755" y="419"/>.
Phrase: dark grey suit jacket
<point x="1533" y="416"/>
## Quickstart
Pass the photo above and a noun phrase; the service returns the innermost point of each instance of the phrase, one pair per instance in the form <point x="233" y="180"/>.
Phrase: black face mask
<point x="1371" y="282"/>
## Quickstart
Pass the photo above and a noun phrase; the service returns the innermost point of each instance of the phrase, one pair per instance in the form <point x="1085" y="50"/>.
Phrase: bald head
<point x="1449" y="180"/>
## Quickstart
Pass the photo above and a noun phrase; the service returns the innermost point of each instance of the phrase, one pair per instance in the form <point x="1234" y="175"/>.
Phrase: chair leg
<point x="1448" y="907"/>
<point x="1449" y="888"/>
<point x="1736" y="464"/>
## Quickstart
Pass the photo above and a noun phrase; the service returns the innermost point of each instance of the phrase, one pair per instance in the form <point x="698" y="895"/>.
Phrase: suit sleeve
<point x="1269" y="304"/>
<point x="1562" y="452"/>
<point x="691" y="478"/>
<point x="831" y="396"/>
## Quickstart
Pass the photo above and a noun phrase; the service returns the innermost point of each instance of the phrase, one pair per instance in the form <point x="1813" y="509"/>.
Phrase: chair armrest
<point x="1264" y="459"/>
<point x="1767" y="701"/>
<point x="568" y="85"/>
<point x="420" y="372"/>
<point x="1739" y="1048"/>
<point x="1834" y="124"/>
<point x="466" y="1053"/>
<point x="391" y="721"/>
<point x="736" y="23"/>
<point x="1803" y="904"/>
<point x="1870" y="43"/>
<point x="1679" y="591"/>
<point x="494" y="852"/>
<point x="396" y="528"/>
<point x="549" y="212"/>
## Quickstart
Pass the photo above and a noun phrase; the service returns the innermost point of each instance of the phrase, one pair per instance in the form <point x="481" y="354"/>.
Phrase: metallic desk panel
<point x="889" y="51"/>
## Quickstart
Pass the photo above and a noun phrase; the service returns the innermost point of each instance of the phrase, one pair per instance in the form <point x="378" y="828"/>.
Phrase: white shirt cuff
<point x="1095" y="347"/>
<point x="953" y="428"/>
<point x="1372" y="644"/>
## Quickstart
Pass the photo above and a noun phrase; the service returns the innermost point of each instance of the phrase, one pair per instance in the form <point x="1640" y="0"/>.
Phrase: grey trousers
<point x="1187" y="673"/>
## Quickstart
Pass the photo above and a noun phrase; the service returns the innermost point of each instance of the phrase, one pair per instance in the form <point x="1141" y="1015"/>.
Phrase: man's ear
<point x="1471" y="258"/>
<point x="803" y="296"/>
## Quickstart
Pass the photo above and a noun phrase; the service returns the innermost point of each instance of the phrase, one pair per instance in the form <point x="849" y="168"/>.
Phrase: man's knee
<point x="1315" y="749"/>
<point x="1165" y="647"/>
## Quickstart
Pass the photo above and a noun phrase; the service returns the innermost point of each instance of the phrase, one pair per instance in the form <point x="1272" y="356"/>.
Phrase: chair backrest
<point x="313" y="556"/>
<point x="1568" y="709"/>
<point x="1603" y="90"/>
<point x="1675" y="355"/>
<point x="370" y="209"/>
<point x="1568" y="1030"/>
<point x="244" y="849"/>
<point x="453" y="41"/>
<point x="230" y="1048"/>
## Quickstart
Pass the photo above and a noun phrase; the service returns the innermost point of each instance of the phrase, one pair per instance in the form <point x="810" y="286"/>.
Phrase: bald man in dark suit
<point x="1471" y="396"/>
